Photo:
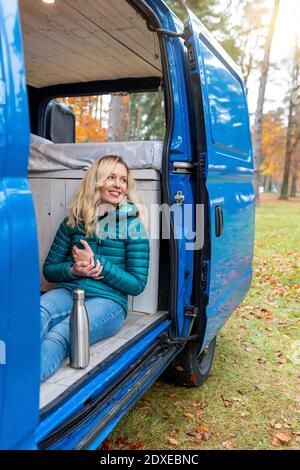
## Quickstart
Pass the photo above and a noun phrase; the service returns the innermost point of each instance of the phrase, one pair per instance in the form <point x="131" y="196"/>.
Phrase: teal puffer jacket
<point x="120" y="244"/>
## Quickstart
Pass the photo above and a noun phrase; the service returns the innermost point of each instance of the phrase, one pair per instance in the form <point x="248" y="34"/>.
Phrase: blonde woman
<point x="101" y="247"/>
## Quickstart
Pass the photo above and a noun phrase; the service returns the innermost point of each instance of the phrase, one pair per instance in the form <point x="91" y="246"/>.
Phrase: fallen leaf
<point x="148" y="399"/>
<point x="281" y="360"/>
<point x="106" y="445"/>
<point x="262" y="360"/>
<point x="197" y="441"/>
<point x="228" y="445"/>
<point x="276" y="442"/>
<point x="122" y="442"/>
<point x="137" y="445"/>
<point x="264" y="310"/>
<point x="191" y="432"/>
<point x="178" y="403"/>
<point x="173" y="442"/>
<point x="200" y="412"/>
<point x="188" y="415"/>
<point x="283" y="437"/>
<point x="202" y="429"/>
<point x="274" y="424"/>
<point x="226" y="402"/>
<point x="199" y="405"/>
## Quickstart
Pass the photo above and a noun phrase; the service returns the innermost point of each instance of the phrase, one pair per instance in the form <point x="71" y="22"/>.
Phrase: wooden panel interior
<point x="75" y="41"/>
<point x="52" y="195"/>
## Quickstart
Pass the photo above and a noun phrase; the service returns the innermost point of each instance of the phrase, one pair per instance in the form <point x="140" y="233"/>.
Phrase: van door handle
<point x="219" y="220"/>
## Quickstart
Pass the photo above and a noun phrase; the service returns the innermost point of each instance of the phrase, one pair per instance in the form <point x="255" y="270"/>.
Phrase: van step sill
<point x="65" y="377"/>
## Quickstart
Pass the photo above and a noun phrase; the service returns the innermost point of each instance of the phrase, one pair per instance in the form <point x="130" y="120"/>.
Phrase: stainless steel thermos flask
<point x="79" y="332"/>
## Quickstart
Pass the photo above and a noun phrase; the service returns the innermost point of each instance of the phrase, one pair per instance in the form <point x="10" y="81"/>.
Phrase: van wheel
<point x="191" y="368"/>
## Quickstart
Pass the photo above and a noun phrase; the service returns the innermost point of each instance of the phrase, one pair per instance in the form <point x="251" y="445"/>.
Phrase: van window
<point x="227" y="106"/>
<point x="117" y="117"/>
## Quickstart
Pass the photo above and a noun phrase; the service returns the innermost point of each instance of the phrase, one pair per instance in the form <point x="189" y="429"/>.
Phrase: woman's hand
<point x="83" y="255"/>
<point x="87" y="269"/>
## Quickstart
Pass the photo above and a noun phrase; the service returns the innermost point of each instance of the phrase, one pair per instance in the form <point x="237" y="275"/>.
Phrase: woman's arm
<point x="132" y="280"/>
<point x="56" y="268"/>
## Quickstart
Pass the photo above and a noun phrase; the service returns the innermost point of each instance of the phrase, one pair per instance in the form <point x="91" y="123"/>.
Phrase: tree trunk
<point x="114" y="115"/>
<point x="286" y="174"/>
<point x="257" y="138"/>
<point x="293" y="192"/>
<point x="265" y="183"/>
<point x="292" y="131"/>
<point x="270" y="186"/>
<point x="138" y="117"/>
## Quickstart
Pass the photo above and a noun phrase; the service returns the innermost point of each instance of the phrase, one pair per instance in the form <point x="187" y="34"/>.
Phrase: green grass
<point x="253" y="391"/>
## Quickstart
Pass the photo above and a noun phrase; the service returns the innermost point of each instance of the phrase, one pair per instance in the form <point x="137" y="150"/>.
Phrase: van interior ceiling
<point x="73" y="41"/>
<point x="81" y="48"/>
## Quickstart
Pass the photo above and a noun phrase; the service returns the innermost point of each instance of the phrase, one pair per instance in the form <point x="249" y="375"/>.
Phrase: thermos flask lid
<point x="78" y="294"/>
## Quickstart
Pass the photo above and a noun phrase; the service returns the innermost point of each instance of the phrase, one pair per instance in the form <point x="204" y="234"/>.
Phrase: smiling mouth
<point x="114" y="193"/>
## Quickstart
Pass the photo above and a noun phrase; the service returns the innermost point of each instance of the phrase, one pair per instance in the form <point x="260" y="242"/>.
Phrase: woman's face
<point x="115" y="185"/>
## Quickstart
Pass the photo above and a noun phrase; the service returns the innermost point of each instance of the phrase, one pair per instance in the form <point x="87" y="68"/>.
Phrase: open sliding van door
<point x="225" y="175"/>
<point x="19" y="273"/>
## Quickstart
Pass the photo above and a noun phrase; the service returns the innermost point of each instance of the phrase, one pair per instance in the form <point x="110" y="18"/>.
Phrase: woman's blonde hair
<point x="84" y="209"/>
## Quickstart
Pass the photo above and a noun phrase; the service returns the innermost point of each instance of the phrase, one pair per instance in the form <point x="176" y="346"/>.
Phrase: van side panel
<point x="229" y="174"/>
<point x="230" y="185"/>
<point x="19" y="286"/>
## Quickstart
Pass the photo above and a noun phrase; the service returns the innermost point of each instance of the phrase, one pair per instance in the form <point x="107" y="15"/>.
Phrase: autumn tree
<point x="88" y="112"/>
<point x="273" y="147"/>
<point x="293" y="132"/>
<point x="295" y="171"/>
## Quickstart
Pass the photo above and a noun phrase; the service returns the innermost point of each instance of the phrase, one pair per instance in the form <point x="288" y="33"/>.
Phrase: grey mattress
<point x="51" y="157"/>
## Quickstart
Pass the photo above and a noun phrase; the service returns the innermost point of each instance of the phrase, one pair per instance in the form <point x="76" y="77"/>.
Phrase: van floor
<point x="58" y="383"/>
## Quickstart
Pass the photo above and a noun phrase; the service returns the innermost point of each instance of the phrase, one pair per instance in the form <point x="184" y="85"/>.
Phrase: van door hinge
<point x="166" y="341"/>
<point x="166" y="32"/>
<point x="184" y="167"/>
<point x="191" y="311"/>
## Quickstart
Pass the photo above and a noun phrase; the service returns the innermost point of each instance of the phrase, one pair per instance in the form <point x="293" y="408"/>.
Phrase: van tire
<point x="189" y="368"/>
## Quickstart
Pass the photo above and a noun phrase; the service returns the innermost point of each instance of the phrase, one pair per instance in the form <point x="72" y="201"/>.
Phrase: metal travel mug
<point x="79" y="332"/>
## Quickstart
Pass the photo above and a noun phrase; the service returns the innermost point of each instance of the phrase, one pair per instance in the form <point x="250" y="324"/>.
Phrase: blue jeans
<point x="105" y="316"/>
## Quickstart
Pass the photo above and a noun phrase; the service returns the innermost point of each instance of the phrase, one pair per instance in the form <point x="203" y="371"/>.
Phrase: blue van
<point x="205" y="160"/>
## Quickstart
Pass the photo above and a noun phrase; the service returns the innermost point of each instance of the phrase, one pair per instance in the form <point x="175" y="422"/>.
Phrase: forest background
<point x="261" y="36"/>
